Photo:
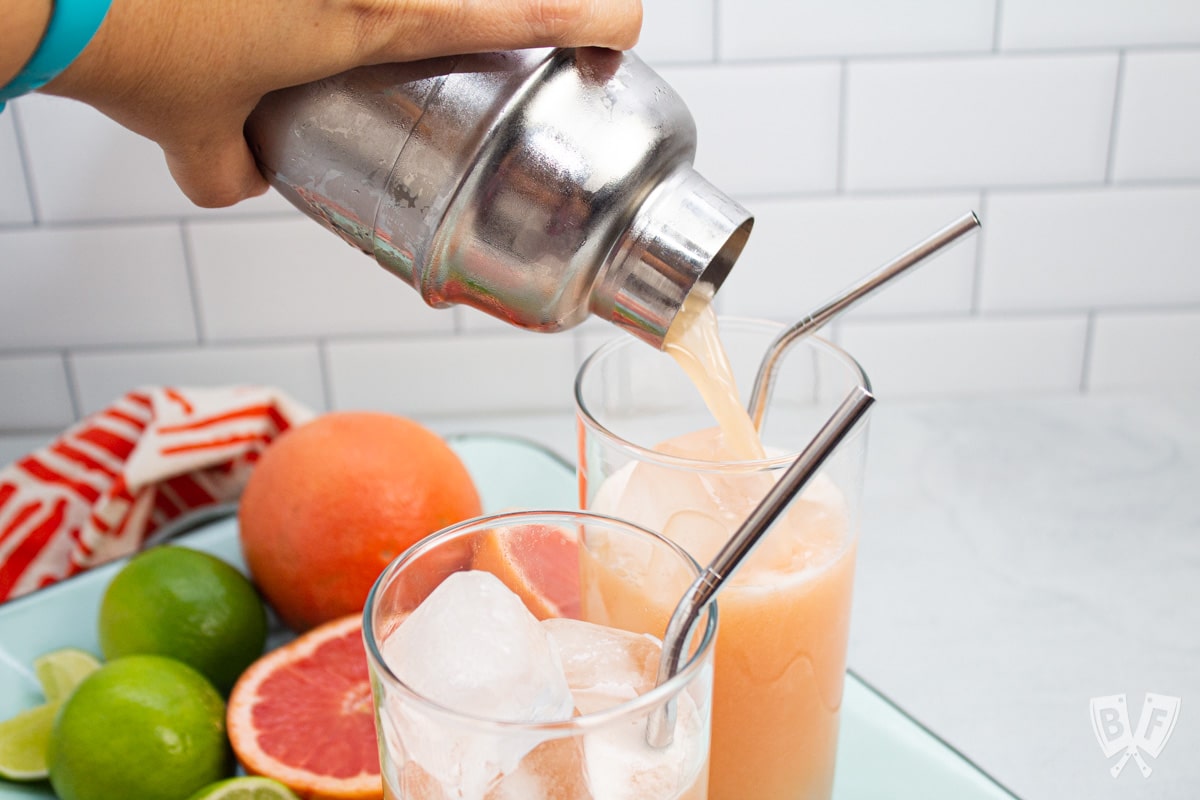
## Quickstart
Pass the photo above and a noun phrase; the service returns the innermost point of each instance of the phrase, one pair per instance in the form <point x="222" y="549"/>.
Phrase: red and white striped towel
<point x="102" y="488"/>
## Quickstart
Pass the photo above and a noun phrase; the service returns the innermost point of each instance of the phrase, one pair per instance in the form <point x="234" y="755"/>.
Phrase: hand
<point x="188" y="74"/>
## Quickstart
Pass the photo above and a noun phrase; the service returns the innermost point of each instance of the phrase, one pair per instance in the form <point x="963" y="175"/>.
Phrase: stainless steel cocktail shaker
<point x="539" y="186"/>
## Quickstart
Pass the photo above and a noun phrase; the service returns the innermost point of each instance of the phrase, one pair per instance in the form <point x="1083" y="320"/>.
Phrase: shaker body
<point x="538" y="186"/>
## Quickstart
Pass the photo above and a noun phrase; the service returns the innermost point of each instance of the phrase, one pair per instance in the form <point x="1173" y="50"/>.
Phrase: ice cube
<point x="472" y="646"/>
<point x="697" y="533"/>
<point x="621" y="766"/>
<point x="553" y="770"/>
<point x="605" y="668"/>
<point x="700" y="510"/>
<point x="417" y="784"/>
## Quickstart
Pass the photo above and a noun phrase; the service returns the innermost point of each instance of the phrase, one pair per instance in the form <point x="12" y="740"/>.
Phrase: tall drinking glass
<point x="646" y="454"/>
<point x="566" y="566"/>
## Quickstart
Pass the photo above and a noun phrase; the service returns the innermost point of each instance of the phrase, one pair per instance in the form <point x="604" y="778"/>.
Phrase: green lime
<point x="188" y="605"/>
<point x="245" y="789"/>
<point x="143" y="727"/>
<point x="25" y="737"/>
<point x="61" y="671"/>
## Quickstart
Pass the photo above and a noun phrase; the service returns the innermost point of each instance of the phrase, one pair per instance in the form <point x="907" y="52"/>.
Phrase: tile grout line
<point x="843" y="133"/>
<point x="73" y="391"/>
<point x="980" y="241"/>
<point x="997" y="25"/>
<point x="797" y="194"/>
<point x="26" y="167"/>
<point x="1089" y="335"/>
<point x="716" y="32"/>
<point x="934" y="191"/>
<point x="145" y="220"/>
<point x="326" y="377"/>
<point x="189" y="269"/>
<point x="1118" y="95"/>
<point x="974" y="53"/>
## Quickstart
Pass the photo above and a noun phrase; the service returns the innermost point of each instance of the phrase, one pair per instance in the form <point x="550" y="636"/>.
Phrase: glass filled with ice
<point x="493" y="679"/>
<point x="651" y="451"/>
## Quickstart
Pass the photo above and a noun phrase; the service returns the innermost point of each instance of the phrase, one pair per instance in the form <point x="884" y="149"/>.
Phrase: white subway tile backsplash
<point x="764" y="129"/>
<point x="1158" y="132"/>
<point x="591" y="340"/>
<point x="94" y="287"/>
<point x="961" y="122"/>
<point x="15" y="446"/>
<point x="676" y="30"/>
<point x="802" y="252"/>
<point x="771" y="29"/>
<point x="967" y="356"/>
<point x="1145" y="351"/>
<point x="87" y="167"/>
<point x="464" y="375"/>
<point x="1098" y="23"/>
<point x="34" y="393"/>
<point x="102" y="377"/>
<point x="260" y="279"/>
<point x="475" y="322"/>
<point x="1094" y="248"/>
<point x="14" y="194"/>
<point x="472" y="320"/>
<point x="850" y="128"/>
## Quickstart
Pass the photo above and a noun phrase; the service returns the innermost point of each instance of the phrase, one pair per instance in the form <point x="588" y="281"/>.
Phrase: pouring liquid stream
<point x="694" y="341"/>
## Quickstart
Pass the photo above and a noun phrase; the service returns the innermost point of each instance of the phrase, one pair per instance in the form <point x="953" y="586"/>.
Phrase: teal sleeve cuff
<point x="73" y="23"/>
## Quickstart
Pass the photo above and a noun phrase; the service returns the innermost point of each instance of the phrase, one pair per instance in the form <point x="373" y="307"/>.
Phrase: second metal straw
<point x="661" y="727"/>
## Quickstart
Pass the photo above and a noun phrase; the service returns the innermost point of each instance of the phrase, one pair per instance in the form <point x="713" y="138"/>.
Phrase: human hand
<point x="188" y="74"/>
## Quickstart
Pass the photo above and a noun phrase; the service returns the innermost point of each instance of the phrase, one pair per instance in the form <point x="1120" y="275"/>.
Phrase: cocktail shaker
<point x="539" y="186"/>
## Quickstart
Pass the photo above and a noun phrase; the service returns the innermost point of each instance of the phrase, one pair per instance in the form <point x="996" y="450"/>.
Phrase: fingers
<point x="425" y="28"/>
<point x="216" y="174"/>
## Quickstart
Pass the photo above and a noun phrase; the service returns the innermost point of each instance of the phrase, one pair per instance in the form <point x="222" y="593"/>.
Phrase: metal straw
<point x="844" y="300"/>
<point x="661" y="728"/>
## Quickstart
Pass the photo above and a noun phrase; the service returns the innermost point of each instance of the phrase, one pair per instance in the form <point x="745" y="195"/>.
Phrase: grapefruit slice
<point x="302" y="714"/>
<point x="539" y="563"/>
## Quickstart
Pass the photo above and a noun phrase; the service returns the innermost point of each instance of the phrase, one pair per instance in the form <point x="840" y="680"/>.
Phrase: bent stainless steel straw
<point x="661" y="727"/>
<point x="844" y="300"/>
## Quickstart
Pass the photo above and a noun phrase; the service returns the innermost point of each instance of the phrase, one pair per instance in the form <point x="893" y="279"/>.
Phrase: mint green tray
<point x="883" y="753"/>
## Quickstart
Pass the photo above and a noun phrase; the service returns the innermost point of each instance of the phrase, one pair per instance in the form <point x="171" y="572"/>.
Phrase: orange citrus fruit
<point x="332" y="502"/>
<point x="302" y="715"/>
<point x="539" y="563"/>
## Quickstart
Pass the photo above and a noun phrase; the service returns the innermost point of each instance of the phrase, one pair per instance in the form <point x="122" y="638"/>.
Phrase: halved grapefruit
<point x="302" y="715"/>
<point x="539" y="563"/>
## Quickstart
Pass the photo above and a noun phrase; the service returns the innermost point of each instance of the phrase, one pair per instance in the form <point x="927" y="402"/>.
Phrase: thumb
<point x="217" y="172"/>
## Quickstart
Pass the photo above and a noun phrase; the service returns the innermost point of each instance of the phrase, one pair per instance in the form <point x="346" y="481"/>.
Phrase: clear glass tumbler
<point x="785" y="615"/>
<point x="565" y="566"/>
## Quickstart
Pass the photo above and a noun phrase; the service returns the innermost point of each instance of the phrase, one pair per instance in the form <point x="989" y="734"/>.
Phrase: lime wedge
<point x="245" y="789"/>
<point x="23" y="740"/>
<point x="61" y="671"/>
<point x="25" y="737"/>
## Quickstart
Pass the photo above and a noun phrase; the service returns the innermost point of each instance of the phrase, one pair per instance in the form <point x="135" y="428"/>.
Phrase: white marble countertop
<point x="1020" y="556"/>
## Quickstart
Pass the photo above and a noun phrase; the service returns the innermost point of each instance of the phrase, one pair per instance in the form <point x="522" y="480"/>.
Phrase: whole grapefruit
<point x="332" y="502"/>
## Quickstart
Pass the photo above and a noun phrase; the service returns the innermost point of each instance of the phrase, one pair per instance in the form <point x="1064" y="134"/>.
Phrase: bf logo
<point x="1110" y="721"/>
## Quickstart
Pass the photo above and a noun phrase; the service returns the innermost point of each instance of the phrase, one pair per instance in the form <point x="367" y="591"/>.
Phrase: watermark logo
<point x="1110" y="721"/>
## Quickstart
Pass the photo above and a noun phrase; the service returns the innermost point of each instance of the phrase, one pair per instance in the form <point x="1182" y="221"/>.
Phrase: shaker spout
<point x="687" y="232"/>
